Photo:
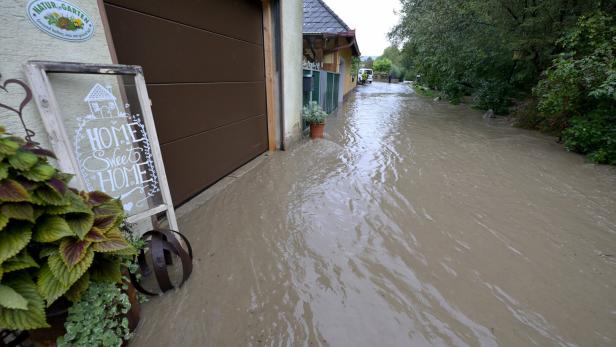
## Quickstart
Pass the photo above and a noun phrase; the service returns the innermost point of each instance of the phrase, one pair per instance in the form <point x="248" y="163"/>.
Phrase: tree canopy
<point x="382" y="65"/>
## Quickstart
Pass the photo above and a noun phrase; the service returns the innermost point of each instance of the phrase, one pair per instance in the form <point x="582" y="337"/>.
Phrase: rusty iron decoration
<point x="19" y="110"/>
<point x="160" y="244"/>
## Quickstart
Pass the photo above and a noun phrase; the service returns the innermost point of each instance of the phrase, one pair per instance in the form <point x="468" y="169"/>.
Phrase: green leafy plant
<point x="492" y="94"/>
<point x="313" y="113"/>
<point x="98" y="319"/>
<point x="54" y="240"/>
<point x="594" y="135"/>
<point x="382" y="65"/>
<point x="578" y="93"/>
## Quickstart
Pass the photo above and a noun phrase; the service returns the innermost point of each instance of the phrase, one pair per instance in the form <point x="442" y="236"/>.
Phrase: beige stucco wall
<point x="347" y="55"/>
<point x="292" y="19"/>
<point x="21" y="41"/>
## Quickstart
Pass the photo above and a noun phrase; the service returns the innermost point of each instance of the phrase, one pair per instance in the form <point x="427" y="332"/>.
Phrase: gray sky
<point x="371" y="19"/>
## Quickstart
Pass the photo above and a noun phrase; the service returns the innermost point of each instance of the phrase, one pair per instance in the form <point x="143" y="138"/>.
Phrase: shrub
<point x="398" y="72"/>
<point x="382" y="65"/>
<point x="579" y="89"/>
<point x="526" y="116"/>
<point x="493" y="94"/>
<point x="594" y="136"/>
<point x="53" y="240"/>
<point x="410" y="75"/>
<point x="454" y="91"/>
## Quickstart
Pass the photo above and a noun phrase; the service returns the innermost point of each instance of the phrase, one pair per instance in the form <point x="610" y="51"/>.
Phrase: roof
<point x="319" y="18"/>
<point x="99" y="93"/>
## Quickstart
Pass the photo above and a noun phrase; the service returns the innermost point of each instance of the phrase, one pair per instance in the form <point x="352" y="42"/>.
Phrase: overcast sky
<point x="371" y="19"/>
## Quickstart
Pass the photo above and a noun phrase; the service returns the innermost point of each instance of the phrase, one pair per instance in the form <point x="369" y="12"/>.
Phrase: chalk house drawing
<point x="114" y="152"/>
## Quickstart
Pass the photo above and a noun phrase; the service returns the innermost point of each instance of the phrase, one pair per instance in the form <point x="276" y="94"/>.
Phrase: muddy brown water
<point x="414" y="223"/>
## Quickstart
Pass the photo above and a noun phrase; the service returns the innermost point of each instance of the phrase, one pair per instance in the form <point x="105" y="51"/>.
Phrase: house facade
<point x="328" y="46"/>
<point x="223" y="75"/>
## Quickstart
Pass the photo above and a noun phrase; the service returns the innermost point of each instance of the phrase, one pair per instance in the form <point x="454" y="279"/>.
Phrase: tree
<point x="392" y="53"/>
<point x="382" y="65"/>
<point x="368" y="63"/>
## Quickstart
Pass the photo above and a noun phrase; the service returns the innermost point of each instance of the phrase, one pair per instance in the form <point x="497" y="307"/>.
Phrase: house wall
<point x="330" y="62"/>
<point x="22" y="41"/>
<point x="346" y="55"/>
<point x="292" y="19"/>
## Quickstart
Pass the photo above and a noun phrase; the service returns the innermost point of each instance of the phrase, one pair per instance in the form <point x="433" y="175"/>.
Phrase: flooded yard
<point x="414" y="223"/>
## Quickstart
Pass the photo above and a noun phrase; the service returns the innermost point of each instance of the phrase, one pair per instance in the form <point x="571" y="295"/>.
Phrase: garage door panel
<point x="174" y="53"/>
<point x="201" y="107"/>
<point x="204" y="67"/>
<point x="211" y="155"/>
<point x="245" y="23"/>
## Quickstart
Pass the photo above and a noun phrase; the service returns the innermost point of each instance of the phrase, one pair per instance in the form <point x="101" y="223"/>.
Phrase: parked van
<point x="360" y="76"/>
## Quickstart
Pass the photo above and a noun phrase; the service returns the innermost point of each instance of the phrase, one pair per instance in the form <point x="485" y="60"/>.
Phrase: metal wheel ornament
<point x="160" y="245"/>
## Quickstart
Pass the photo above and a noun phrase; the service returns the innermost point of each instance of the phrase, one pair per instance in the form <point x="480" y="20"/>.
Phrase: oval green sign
<point x="61" y="19"/>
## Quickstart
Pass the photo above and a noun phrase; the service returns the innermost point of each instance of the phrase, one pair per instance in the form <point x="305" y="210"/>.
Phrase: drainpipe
<point x="279" y="58"/>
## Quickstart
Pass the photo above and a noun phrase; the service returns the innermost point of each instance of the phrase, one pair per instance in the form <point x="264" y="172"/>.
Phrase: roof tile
<point x="319" y="18"/>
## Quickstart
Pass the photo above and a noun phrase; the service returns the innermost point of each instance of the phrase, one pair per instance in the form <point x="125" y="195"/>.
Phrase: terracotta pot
<point x="56" y="317"/>
<point x="316" y="130"/>
<point x="57" y="314"/>
<point x="134" y="314"/>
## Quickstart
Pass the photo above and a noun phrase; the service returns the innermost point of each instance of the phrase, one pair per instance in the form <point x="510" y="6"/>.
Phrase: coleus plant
<point x="54" y="240"/>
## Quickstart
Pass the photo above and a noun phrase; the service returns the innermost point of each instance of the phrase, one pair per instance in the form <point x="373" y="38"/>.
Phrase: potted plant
<point x="315" y="116"/>
<point x="54" y="241"/>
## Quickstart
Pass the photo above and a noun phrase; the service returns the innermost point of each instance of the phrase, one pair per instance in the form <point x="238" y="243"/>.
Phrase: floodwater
<point x="414" y="223"/>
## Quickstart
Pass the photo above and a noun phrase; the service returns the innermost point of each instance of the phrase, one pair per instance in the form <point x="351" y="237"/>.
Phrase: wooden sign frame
<point x="43" y="94"/>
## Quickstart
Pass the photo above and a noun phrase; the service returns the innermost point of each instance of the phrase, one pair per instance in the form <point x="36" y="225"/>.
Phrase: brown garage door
<point x="204" y="67"/>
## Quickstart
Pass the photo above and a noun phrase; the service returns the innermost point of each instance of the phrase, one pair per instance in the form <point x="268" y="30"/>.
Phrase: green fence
<point x="313" y="94"/>
<point x="325" y="90"/>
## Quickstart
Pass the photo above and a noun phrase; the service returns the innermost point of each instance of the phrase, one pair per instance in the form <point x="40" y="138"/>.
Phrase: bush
<point x="526" y="116"/>
<point x="594" y="136"/>
<point x="54" y="241"/>
<point x="578" y="93"/>
<point x="454" y="91"/>
<point x="402" y="73"/>
<point x="410" y="75"/>
<point x="493" y="94"/>
<point x="382" y="65"/>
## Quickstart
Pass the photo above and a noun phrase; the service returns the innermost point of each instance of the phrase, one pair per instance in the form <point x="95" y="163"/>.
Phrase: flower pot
<point x="316" y="130"/>
<point x="56" y="317"/>
<point x="135" y="308"/>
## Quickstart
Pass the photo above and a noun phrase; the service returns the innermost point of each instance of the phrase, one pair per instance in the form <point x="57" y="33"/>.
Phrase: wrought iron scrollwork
<point x="19" y="110"/>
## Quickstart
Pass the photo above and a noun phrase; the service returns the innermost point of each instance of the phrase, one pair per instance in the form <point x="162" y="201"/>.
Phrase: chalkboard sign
<point x="100" y="124"/>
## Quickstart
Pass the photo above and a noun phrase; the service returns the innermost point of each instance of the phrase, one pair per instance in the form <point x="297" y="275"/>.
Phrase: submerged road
<point x="414" y="223"/>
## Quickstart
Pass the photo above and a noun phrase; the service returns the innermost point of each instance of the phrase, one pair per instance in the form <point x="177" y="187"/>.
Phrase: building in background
<point x="329" y="46"/>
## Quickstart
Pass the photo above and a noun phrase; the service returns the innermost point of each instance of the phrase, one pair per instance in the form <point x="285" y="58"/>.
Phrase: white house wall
<point x="292" y="19"/>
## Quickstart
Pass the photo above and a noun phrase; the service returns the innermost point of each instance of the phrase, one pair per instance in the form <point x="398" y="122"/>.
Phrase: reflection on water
<point x="413" y="224"/>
